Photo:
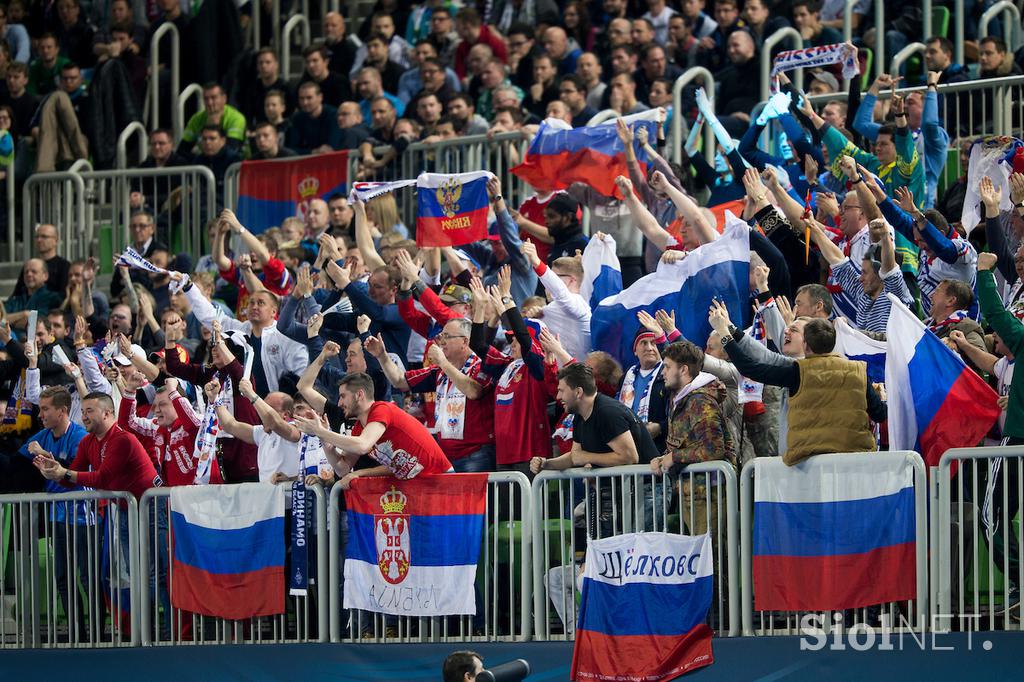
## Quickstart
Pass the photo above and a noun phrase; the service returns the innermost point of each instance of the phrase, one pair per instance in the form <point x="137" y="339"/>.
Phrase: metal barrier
<point x="958" y="31"/>
<point x="286" y="46"/>
<point x="166" y="28"/>
<point x="1011" y="23"/>
<point x="770" y="42"/>
<point x="305" y="618"/>
<point x="965" y="555"/>
<point x="788" y="622"/>
<point x="10" y="196"/>
<point x="905" y="54"/>
<point x="503" y="578"/>
<point x="602" y="116"/>
<point x="191" y="90"/>
<point x="880" y="38"/>
<point x="677" y="113"/>
<point x="70" y="566"/>
<point x="59" y="199"/>
<point x="133" y="128"/>
<point x="574" y="505"/>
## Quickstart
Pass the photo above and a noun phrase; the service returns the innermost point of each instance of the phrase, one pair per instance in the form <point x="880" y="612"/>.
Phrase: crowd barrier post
<point x="796" y="42"/>
<point x="286" y="46"/>
<point x="677" y="113"/>
<point x="57" y="198"/>
<point x="628" y="499"/>
<point x="890" y="613"/>
<point x="503" y="582"/>
<point x="879" y="38"/>
<point x="132" y="129"/>
<point x="958" y="31"/>
<point x="926" y="19"/>
<point x="191" y="90"/>
<point x="903" y="55"/>
<point x="1011" y="23"/>
<point x="970" y="596"/>
<point x="10" y="190"/>
<point x="174" y="626"/>
<point x="166" y="28"/>
<point x="602" y="116"/>
<point x="63" y="562"/>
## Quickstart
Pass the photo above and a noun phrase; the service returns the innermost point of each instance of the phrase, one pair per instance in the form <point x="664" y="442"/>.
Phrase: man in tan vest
<point x="831" y="401"/>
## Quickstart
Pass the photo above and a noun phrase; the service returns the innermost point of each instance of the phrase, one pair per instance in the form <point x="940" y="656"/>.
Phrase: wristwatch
<point x="497" y="199"/>
<point x="506" y="300"/>
<point x="1019" y="205"/>
<point x="67" y="475"/>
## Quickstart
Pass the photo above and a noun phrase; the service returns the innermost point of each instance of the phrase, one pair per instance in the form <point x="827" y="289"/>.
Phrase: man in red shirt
<point x="464" y="395"/>
<point x="471" y="29"/>
<point x="383" y="430"/>
<point x="173" y="429"/>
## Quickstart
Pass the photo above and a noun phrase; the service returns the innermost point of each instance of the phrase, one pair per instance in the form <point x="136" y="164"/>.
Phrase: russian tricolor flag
<point x="602" y="274"/>
<point x="834" y="533"/>
<point x="594" y="155"/>
<point x="270" y="191"/>
<point x="228" y="549"/>
<point x="644" y="608"/>
<point x="718" y="269"/>
<point x="452" y="208"/>
<point x="935" y="401"/>
<point x="856" y="345"/>
<point x="413" y="545"/>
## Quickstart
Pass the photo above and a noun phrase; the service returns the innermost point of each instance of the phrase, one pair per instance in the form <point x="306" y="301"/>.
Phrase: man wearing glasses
<point x="47" y="239"/>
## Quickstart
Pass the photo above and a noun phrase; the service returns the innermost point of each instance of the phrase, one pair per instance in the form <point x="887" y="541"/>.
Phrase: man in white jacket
<point x="275" y="355"/>
<point x="567" y="315"/>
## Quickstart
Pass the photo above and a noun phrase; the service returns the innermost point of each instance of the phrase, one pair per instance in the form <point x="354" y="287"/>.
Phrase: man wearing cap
<point x="822" y="83"/>
<point x="643" y="386"/>
<point x="464" y="394"/>
<point x="566" y="313"/>
<point x="561" y="217"/>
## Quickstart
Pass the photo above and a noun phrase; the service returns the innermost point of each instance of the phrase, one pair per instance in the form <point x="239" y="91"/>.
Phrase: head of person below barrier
<point x="819" y="337"/>
<point x="462" y="666"/>
<point x="576" y="387"/>
<point x="355" y="394"/>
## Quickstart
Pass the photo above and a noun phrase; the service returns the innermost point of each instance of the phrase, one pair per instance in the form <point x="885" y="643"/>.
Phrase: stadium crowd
<point x="410" y="361"/>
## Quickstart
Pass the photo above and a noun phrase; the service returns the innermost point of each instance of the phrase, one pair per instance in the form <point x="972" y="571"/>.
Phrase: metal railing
<point x="903" y="55"/>
<point x="135" y="128"/>
<point x="1011" y="23"/>
<point x="71" y="562"/>
<point x="503" y="578"/>
<point x="10" y="196"/>
<point x="975" y="585"/>
<point x="305" y="618"/>
<point x="286" y="46"/>
<point x="191" y="90"/>
<point x="788" y="622"/>
<point x="677" y="112"/>
<point x="574" y="505"/>
<point x="167" y="28"/>
<point x="879" y="37"/>
<point x="59" y="199"/>
<point x="770" y="42"/>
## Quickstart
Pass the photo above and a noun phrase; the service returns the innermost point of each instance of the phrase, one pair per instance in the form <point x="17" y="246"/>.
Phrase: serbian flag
<point x="452" y="208"/>
<point x="935" y="401"/>
<point x="228" y="549"/>
<point x="644" y="607"/>
<point x="413" y="545"/>
<point x="834" y="533"/>
<point x="270" y="191"/>
<point x="594" y="155"/>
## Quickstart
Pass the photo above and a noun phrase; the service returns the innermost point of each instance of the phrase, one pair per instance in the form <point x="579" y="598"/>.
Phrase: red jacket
<point x="487" y="37"/>
<point x="118" y="462"/>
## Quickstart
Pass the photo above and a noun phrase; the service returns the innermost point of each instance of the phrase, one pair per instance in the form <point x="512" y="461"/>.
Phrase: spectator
<point x="522" y="49"/>
<point x="342" y="46"/>
<point x="351" y="131"/>
<point x="264" y="136"/>
<point x="444" y="36"/>
<point x="274" y="108"/>
<point x="36" y="295"/>
<point x="641" y="33"/>
<point x="833" y="14"/>
<point x="938" y="56"/>
<point x="313" y="124"/>
<point x="556" y="45"/>
<point x="74" y="33"/>
<point x="383" y="25"/>
<point x="216" y="112"/>
<point x="216" y="154"/>
<point x="545" y="88"/>
<point x="472" y="31"/>
<point x="377" y="57"/>
<point x="428" y="68"/>
<point x="654" y="65"/>
<point x="16" y="37"/>
<point x="21" y="102"/>
<point x="433" y="81"/>
<point x="463" y="113"/>
<point x="995" y="60"/>
<point x="47" y="239"/>
<point x="573" y="94"/>
<point x="369" y="87"/>
<point x="334" y="86"/>
<point x="61" y="123"/>
<point x="807" y="19"/>
<point x="121" y="15"/>
<point x="588" y="68"/>
<point x="428" y="113"/>
<point x="567" y="315"/>
<point x="268" y="78"/>
<point x="760" y="20"/>
<point x="491" y="78"/>
<point x="658" y="15"/>
<point x="342" y="217"/>
<point x="505" y="13"/>
<point x="44" y="69"/>
<point x="735" y="94"/>
<point x="812" y="301"/>
<point x="703" y="25"/>
<point x="623" y="96"/>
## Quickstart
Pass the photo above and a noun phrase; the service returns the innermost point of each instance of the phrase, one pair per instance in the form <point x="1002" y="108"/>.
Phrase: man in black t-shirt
<point x="606" y="433"/>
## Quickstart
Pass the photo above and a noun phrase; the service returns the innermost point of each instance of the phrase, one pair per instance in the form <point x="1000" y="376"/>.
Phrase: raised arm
<point x="374" y="345"/>
<point x="232" y="426"/>
<point x="217" y="250"/>
<point x="364" y="240"/>
<point x="642" y="217"/>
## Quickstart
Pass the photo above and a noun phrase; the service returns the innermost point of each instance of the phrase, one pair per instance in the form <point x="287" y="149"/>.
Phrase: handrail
<point x="766" y="58"/>
<point x="1013" y="27"/>
<point x="28" y="218"/>
<point x="80" y="166"/>
<point x="275" y="26"/>
<point x="879" y="38"/>
<point x="11" y="213"/>
<point x="286" y="46"/>
<point x="677" y="116"/>
<point x="848" y="20"/>
<point x="926" y="19"/>
<point x="122" y="143"/>
<point x="958" y="31"/>
<point x="154" y="67"/>
<point x="602" y="116"/>
<point x="905" y="54"/>
<point x="179" y="110"/>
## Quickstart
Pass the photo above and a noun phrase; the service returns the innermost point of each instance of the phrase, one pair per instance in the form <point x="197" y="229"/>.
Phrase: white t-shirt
<point x="274" y="453"/>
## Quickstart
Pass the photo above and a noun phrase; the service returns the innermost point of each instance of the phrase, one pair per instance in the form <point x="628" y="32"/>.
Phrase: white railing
<point x="1011" y="23"/>
<point x="135" y="129"/>
<point x="192" y="90"/>
<point x="903" y="55"/>
<point x="677" y="112"/>
<point x="299" y="20"/>
<point x="167" y="28"/>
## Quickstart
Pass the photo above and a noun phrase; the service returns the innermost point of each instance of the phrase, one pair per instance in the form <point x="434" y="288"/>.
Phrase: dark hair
<point x="17" y="67"/>
<point x="394" y="277"/>
<point x="275" y="93"/>
<point x="59" y="395"/>
<point x="213" y="127"/>
<point x="468" y="15"/>
<point x="887" y="130"/>
<point x="945" y="44"/>
<point x="464" y="97"/>
<point x="68" y="66"/>
<point x="959" y="290"/>
<point x="685" y="353"/>
<point x="458" y="664"/>
<point x="320" y="49"/>
<point x="263" y="124"/>
<point x="812" y="6"/>
<point x="432" y="60"/>
<point x="210" y="85"/>
<point x="518" y="29"/>
<point x="819" y="294"/>
<point x="650" y="24"/>
<point x="997" y="43"/>
<point x="576" y="80"/>
<point x="311" y="85"/>
<point x="357" y="381"/>
<point x="820" y="336"/>
<point x="377" y="36"/>
<point x="606" y="368"/>
<point x="162" y="131"/>
<point x="102" y="398"/>
<point x="515" y="112"/>
<point x="938" y="220"/>
<point x="578" y="375"/>
<point x="627" y="48"/>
